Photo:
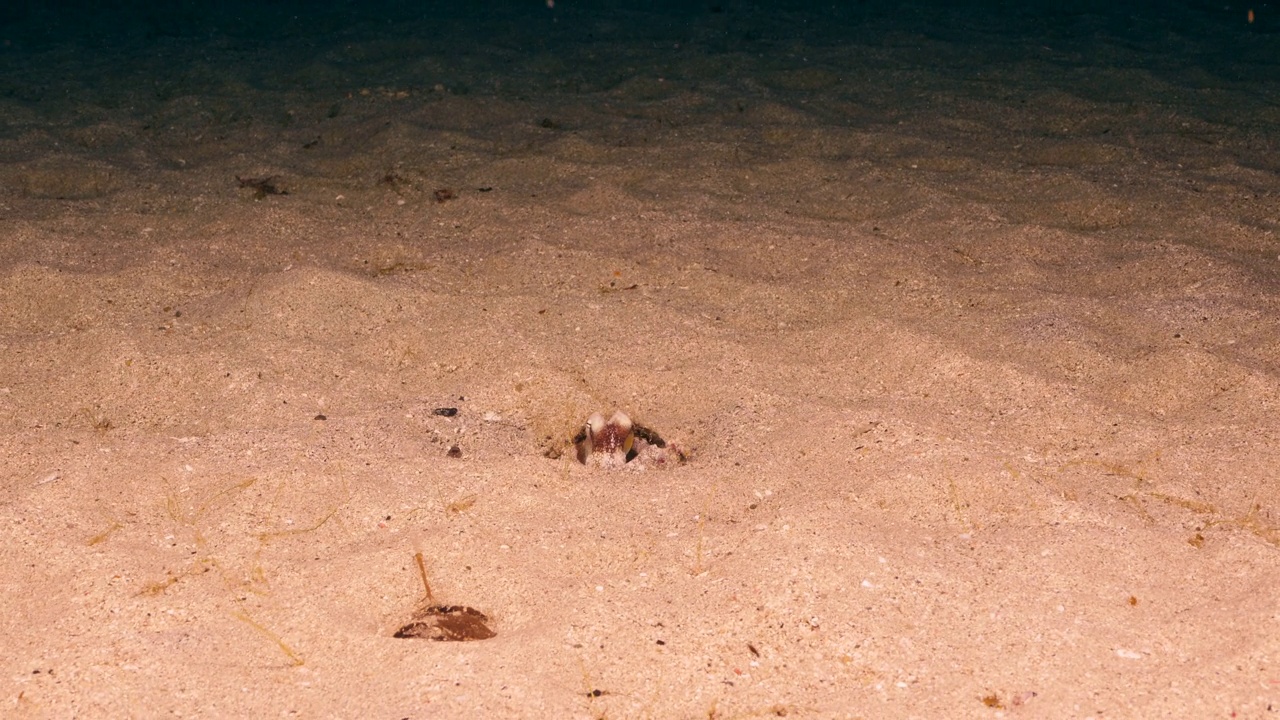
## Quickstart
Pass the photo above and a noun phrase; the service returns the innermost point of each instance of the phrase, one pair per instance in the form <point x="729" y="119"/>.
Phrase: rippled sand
<point x="968" y="322"/>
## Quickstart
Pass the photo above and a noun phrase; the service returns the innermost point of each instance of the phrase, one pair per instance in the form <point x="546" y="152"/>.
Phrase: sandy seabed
<point x="968" y="323"/>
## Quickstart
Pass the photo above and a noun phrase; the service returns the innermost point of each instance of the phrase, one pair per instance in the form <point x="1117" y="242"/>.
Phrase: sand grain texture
<point x="970" y="330"/>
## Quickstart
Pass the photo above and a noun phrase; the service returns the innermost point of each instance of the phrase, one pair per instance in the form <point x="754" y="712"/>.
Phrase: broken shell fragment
<point x="448" y="623"/>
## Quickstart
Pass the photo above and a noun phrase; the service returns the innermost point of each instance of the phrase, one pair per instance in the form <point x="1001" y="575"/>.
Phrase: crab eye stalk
<point x="583" y="442"/>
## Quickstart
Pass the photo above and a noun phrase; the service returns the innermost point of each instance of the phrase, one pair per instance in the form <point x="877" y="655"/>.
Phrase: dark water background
<point x="106" y="50"/>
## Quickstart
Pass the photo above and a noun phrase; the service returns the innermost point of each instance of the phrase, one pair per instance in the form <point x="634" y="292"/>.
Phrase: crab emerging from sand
<point x="618" y="442"/>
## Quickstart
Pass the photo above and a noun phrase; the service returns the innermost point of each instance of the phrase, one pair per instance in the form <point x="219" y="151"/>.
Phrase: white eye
<point x="595" y="424"/>
<point x="621" y="421"/>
